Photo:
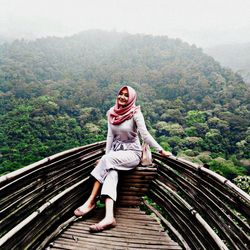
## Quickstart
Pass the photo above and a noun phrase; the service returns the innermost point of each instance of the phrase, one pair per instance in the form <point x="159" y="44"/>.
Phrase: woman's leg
<point x="90" y="203"/>
<point x="109" y="187"/>
<point x="108" y="221"/>
<point x="99" y="175"/>
<point x="116" y="160"/>
<point x="109" y="213"/>
<point x="95" y="191"/>
<point x="109" y="192"/>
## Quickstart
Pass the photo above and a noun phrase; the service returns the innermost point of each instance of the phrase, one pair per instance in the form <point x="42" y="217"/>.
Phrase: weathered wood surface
<point x="134" y="184"/>
<point x="187" y="192"/>
<point x="135" y="230"/>
<point x="200" y="209"/>
<point x="23" y="193"/>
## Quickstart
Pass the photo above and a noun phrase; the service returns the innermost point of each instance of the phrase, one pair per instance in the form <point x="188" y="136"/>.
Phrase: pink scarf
<point x="117" y="114"/>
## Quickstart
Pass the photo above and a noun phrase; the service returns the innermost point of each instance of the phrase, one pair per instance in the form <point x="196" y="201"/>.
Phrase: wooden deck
<point x="135" y="230"/>
<point x="200" y="208"/>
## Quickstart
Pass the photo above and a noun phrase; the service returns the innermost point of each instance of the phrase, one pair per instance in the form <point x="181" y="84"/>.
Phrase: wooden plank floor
<point x="134" y="230"/>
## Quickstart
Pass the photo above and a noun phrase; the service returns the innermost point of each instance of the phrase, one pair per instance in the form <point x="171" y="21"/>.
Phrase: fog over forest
<point x="189" y="60"/>
<point x="208" y="24"/>
<point x="205" y="23"/>
<point x="62" y="64"/>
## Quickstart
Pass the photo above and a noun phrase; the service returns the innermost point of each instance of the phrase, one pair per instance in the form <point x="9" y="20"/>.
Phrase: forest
<point x="234" y="56"/>
<point x="55" y="92"/>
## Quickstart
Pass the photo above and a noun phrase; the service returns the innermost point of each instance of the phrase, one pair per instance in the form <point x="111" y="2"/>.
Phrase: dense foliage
<point x="54" y="94"/>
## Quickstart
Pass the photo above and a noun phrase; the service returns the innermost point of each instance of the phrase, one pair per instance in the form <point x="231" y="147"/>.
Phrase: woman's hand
<point x="165" y="153"/>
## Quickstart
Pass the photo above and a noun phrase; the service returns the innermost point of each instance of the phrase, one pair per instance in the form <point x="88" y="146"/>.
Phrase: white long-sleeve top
<point x="125" y="135"/>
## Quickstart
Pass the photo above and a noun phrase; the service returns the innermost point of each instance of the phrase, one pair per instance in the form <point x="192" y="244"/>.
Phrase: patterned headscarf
<point x="118" y="114"/>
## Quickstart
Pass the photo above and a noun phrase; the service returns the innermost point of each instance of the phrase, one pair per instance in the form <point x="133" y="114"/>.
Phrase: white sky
<point x="202" y="22"/>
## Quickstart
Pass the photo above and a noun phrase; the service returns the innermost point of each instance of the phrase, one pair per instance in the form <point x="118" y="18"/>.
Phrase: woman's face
<point x="123" y="97"/>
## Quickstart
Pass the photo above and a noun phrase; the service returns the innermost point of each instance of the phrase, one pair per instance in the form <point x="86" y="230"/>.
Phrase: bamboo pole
<point x="31" y="217"/>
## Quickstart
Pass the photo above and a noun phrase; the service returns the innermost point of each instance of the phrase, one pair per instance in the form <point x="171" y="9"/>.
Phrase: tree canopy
<point x="55" y="92"/>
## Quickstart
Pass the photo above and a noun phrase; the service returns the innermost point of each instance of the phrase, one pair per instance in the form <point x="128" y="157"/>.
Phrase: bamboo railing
<point x="207" y="210"/>
<point x="36" y="199"/>
<point x="200" y="208"/>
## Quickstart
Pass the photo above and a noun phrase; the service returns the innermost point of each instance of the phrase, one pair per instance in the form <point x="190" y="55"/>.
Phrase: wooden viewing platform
<point x="135" y="230"/>
<point x="196" y="207"/>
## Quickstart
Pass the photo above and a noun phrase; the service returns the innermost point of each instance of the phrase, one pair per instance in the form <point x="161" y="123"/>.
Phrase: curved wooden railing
<point x="206" y="209"/>
<point x="36" y="199"/>
<point x="201" y="209"/>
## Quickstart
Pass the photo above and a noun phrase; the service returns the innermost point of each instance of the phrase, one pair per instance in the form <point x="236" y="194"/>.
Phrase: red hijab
<point x="118" y="114"/>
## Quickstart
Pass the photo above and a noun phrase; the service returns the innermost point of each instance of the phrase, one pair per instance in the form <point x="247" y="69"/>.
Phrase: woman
<point x="123" y="152"/>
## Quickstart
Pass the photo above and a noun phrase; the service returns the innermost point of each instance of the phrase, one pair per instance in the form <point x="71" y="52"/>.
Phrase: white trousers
<point x="106" y="170"/>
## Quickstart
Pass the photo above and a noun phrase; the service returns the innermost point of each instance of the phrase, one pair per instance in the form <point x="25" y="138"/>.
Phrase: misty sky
<point x="202" y="22"/>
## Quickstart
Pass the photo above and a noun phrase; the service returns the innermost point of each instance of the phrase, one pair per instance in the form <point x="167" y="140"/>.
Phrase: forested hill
<point x="54" y="94"/>
<point x="235" y="56"/>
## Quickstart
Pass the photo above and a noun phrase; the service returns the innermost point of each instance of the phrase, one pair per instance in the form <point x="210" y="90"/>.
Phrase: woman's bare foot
<point x="87" y="207"/>
<point x="104" y="224"/>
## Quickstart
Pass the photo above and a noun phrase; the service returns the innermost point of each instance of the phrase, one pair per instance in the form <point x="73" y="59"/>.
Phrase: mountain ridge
<point x="54" y="94"/>
<point x="236" y="56"/>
